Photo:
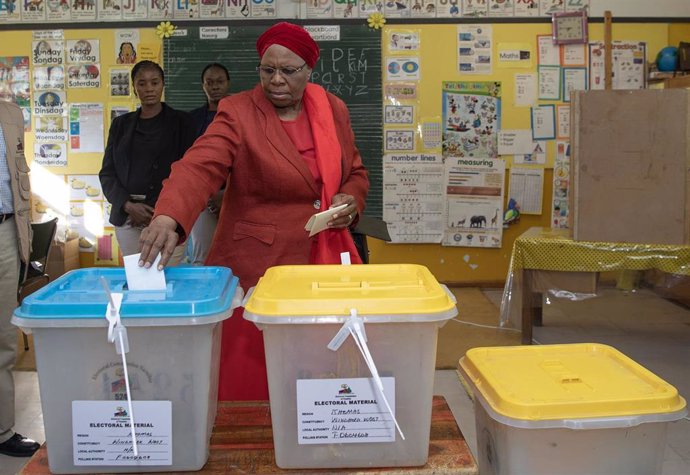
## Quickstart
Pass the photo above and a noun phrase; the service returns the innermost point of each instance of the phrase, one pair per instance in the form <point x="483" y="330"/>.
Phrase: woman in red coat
<point x="284" y="150"/>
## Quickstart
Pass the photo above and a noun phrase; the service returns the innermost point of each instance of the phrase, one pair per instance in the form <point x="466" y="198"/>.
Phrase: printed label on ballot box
<point x="343" y="411"/>
<point x="102" y="433"/>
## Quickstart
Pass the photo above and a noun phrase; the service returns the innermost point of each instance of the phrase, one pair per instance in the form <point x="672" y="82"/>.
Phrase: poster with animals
<point x="474" y="202"/>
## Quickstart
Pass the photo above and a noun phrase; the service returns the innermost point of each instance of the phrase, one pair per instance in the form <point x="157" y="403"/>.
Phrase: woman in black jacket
<point x="142" y="145"/>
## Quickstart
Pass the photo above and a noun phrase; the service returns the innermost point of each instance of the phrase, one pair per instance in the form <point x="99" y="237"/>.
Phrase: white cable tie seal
<point x="355" y="326"/>
<point x="117" y="331"/>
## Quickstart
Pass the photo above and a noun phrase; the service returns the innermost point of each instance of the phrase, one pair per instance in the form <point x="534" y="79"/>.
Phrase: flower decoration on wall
<point x="376" y="20"/>
<point x="165" y="29"/>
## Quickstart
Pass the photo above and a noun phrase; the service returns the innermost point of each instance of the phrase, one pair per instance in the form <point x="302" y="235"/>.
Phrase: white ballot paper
<point x="319" y="221"/>
<point x="141" y="278"/>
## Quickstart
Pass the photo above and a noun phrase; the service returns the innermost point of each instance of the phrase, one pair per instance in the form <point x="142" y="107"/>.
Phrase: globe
<point x="667" y="59"/>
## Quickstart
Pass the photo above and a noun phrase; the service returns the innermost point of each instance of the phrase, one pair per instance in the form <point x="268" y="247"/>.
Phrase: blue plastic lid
<point x="191" y="292"/>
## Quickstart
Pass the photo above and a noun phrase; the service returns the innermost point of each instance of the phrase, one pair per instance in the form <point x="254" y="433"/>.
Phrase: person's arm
<point x="193" y="179"/>
<point x="113" y="189"/>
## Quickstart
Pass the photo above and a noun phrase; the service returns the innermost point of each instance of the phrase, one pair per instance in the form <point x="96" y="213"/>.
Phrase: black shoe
<point x="19" y="446"/>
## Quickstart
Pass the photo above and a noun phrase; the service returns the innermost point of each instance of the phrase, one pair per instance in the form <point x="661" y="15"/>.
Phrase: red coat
<point x="270" y="194"/>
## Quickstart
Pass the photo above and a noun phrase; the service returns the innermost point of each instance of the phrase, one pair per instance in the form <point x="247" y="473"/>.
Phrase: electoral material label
<point x="344" y="411"/>
<point x="102" y="433"/>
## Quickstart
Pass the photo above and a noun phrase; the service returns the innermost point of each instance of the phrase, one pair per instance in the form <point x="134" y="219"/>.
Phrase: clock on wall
<point x="569" y="28"/>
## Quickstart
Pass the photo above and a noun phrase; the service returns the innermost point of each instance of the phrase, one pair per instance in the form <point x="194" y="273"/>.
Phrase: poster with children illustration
<point x="471" y="119"/>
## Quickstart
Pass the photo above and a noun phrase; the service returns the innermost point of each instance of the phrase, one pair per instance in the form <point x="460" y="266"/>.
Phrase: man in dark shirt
<point x="215" y="80"/>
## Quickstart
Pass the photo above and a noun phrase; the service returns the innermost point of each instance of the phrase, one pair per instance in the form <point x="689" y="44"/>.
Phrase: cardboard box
<point x="64" y="257"/>
<point x="631" y="166"/>
<point x="577" y="282"/>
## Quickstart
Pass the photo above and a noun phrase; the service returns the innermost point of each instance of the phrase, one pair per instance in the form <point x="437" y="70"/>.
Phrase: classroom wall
<point x="457" y="265"/>
<point x="463" y="265"/>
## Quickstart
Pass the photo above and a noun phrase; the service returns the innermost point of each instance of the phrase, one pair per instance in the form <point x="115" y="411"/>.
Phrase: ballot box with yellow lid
<point x="350" y="355"/>
<point x="569" y="409"/>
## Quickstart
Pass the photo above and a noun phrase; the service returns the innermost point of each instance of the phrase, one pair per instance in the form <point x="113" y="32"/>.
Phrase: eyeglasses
<point x="268" y="71"/>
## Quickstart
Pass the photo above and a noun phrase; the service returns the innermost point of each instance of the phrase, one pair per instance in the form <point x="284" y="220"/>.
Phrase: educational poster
<point x="514" y="55"/>
<point x="84" y="187"/>
<point x="58" y="11"/>
<point x="574" y="55"/>
<point x="400" y="140"/>
<point x="423" y="9"/>
<point x="237" y="9"/>
<point x="475" y="8"/>
<point x="549" y="7"/>
<point x="84" y="75"/>
<point x="49" y="77"/>
<point x="525" y="89"/>
<point x="83" y="10"/>
<point x="402" y="69"/>
<point x="561" y="186"/>
<point x="471" y="118"/>
<point x="134" y="9"/>
<point x="50" y="128"/>
<point x="33" y="11"/>
<point x="526" y="186"/>
<point x="543" y="122"/>
<point x="86" y="127"/>
<point x="47" y="52"/>
<point x="126" y="45"/>
<point x="49" y="103"/>
<point x="548" y="53"/>
<point x="400" y="91"/>
<point x="474" y="49"/>
<point x="526" y="8"/>
<point x="474" y="202"/>
<point x="162" y="10"/>
<point x="500" y="8"/>
<point x="319" y="9"/>
<point x="83" y="51"/>
<point x="345" y="9"/>
<point x="403" y="41"/>
<point x="211" y="9"/>
<point x="576" y="5"/>
<point x="629" y="60"/>
<point x="563" y="121"/>
<point x="549" y="83"/>
<point x="574" y="79"/>
<point x="119" y="83"/>
<point x="110" y="9"/>
<point x="447" y="8"/>
<point x="367" y="7"/>
<point x="10" y="11"/>
<point x="15" y="80"/>
<point x="396" y="9"/>
<point x="413" y="197"/>
<point x="431" y="134"/>
<point x="263" y="8"/>
<point x="536" y="157"/>
<point x="186" y="9"/>
<point x="400" y="114"/>
<point x="50" y="154"/>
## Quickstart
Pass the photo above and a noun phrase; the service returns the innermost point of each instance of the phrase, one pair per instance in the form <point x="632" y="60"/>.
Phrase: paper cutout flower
<point x="376" y="20"/>
<point x="165" y="29"/>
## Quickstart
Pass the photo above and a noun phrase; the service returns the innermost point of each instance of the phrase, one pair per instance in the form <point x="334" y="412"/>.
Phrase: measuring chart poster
<point x="343" y="411"/>
<point x="474" y="202"/>
<point x="413" y="197"/>
<point x="471" y="119"/>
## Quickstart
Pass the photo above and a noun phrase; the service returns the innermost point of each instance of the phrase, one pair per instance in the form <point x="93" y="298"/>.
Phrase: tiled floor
<point x="652" y="331"/>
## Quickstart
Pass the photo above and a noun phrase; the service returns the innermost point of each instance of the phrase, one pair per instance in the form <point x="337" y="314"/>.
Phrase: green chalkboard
<point x="349" y="68"/>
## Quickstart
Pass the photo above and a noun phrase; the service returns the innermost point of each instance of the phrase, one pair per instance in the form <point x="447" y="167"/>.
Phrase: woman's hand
<point x="346" y="216"/>
<point x="139" y="213"/>
<point x="159" y="236"/>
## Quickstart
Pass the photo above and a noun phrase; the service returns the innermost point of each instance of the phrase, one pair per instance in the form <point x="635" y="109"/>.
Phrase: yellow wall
<point x="438" y="60"/>
<point x="438" y="63"/>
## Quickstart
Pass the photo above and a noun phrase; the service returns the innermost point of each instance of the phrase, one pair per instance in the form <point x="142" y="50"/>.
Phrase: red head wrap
<point x="293" y="37"/>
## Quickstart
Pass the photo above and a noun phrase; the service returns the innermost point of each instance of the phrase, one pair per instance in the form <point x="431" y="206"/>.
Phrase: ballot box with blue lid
<point x="174" y="348"/>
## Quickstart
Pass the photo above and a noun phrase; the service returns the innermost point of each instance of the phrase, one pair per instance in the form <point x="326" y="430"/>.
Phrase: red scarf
<point x="331" y="242"/>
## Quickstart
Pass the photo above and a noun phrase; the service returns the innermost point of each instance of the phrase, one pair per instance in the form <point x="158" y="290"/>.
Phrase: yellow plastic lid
<point x="393" y="292"/>
<point x="569" y="381"/>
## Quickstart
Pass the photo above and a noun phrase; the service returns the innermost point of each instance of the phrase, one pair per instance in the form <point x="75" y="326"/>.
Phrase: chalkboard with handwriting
<point x="349" y="68"/>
